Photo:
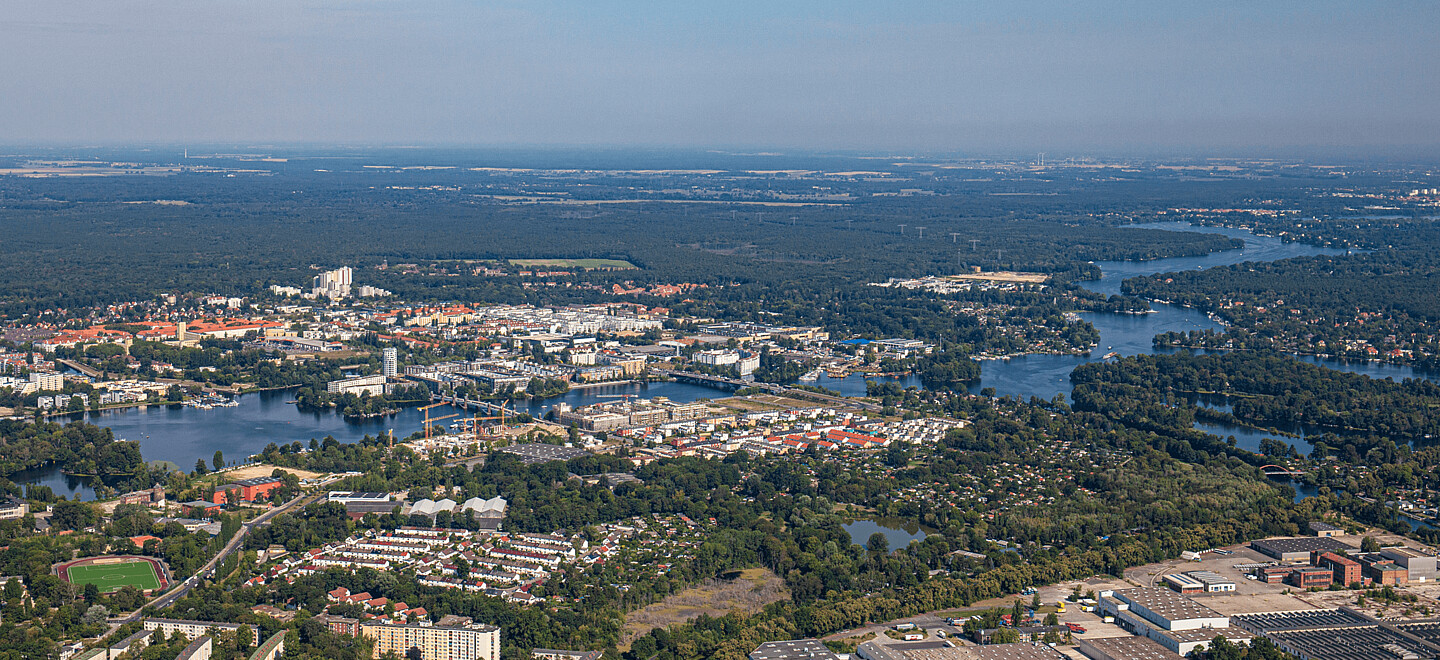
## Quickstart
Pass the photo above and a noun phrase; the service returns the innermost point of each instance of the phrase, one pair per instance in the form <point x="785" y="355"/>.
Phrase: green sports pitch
<point x="111" y="577"/>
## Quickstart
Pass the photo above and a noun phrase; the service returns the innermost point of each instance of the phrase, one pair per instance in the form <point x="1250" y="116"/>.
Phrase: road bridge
<point x="1280" y="471"/>
<point x="779" y="390"/>
<point x="82" y="368"/>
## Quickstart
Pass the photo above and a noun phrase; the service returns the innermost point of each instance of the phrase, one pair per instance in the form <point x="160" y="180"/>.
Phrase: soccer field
<point x="111" y="577"/>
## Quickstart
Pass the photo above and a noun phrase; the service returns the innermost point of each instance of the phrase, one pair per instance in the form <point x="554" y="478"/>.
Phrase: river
<point x="182" y="435"/>
<point x="1045" y="376"/>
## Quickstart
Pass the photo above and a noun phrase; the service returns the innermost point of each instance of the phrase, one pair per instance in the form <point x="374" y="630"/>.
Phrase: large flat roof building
<point x="1019" y="651"/>
<point x="1344" y="634"/>
<point x="1124" y="648"/>
<point x="1158" y="608"/>
<point x="1420" y="565"/>
<point x="1297" y="549"/>
<point x="926" y="650"/>
<point x="1183" y="642"/>
<point x="794" y="649"/>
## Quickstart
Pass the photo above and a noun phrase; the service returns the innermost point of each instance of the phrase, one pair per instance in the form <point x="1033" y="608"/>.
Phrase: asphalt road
<point x="207" y="571"/>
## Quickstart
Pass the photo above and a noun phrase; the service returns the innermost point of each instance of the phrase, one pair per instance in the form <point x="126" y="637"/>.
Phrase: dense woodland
<point x="1271" y="391"/>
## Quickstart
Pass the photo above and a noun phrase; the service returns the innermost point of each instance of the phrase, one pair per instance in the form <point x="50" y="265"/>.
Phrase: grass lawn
<point x="111" y="577"/>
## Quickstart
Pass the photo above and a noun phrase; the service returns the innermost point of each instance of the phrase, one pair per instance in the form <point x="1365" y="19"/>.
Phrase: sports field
<point x="111" y="577"/>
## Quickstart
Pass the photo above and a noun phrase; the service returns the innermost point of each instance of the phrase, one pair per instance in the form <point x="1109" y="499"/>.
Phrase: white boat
<point x="811" y="376"/>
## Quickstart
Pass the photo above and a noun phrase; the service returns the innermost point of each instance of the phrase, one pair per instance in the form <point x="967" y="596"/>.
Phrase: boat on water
<point x="211" y="401"/>
<point x="811" y="376"/>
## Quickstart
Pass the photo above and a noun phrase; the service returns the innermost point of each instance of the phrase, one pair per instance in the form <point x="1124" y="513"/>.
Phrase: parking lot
<point x="1151" y="575"/>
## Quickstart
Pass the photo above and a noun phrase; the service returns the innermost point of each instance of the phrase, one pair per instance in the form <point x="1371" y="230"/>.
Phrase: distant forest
<point x="79" y="242"/>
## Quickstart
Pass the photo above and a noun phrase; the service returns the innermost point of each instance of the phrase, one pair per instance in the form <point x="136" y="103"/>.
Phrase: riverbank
<point x="1046" y="376"/>
<point x="1324" y="359"/>
<point x="110" y="407"/>
<point x="588" y="386"/>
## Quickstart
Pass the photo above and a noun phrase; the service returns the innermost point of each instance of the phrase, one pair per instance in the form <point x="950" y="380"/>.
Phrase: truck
<point x="1060" y="606"/>
<point x="901" y="627"/>
<point x="1075" y="627"/>
<point x="1190" y="555"/>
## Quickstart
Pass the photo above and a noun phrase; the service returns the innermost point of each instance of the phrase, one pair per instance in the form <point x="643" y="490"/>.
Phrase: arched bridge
<point x="1280" y="471"/>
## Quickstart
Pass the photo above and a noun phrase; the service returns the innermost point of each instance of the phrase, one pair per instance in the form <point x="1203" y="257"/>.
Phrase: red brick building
<point x="248" y="490"/>
<point x="1346" y="571"/>
<point x="340" y="625"/>
<point x="1389" y="573"/>
<point x="1308" y="577"/>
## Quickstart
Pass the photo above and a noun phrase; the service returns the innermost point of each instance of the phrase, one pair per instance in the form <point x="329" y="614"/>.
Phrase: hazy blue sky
<point x="1007" y="75"/>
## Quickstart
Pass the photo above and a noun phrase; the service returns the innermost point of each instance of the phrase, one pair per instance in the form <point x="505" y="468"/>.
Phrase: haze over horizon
<point x="1149" y="77"/>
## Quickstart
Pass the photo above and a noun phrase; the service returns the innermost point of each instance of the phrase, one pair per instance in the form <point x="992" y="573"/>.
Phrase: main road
<point x="208" y="570"/>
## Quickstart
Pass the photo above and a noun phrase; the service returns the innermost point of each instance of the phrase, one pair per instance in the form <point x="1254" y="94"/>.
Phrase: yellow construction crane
<point x="476" y="419"/>
<point x="429" y="419"/>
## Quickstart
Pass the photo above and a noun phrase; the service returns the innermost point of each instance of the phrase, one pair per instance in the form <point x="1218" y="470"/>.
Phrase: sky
<point x="1216" y="78"/>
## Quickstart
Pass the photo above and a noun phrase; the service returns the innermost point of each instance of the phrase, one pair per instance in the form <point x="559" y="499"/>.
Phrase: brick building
<point x="248" y="490"/>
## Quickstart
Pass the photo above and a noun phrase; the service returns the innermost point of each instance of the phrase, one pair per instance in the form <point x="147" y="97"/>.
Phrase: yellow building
<point x="456" y="638"/>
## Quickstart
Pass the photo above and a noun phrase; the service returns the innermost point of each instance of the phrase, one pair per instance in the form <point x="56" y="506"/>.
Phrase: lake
<point x="182" y="434"/>
<point x="899" y="533"/>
